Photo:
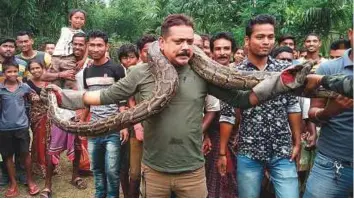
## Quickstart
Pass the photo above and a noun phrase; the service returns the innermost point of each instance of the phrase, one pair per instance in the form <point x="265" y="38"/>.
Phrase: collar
<point x="2" y="85"/>
<point x="31" y="57"/>
<point x="346" y="60"/>
<point x="247" y="63"/>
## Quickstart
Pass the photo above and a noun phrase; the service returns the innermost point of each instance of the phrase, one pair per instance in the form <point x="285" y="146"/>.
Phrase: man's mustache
<point x="184" y="53"/>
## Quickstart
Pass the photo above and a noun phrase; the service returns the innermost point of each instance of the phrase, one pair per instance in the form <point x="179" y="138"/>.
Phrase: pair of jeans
<point x="283" y="175"/>
<point x="104" y="155"/>
<point x="329" y="178"/>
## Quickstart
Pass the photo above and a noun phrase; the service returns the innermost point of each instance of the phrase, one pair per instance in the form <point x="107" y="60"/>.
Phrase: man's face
<point x="285" y="56"/>
<point x="261" y="41"/>
<point x="206" y="48"/>
<point x="24" y="43"/>
<point x="198" y="41"/>
<point x="288" y="42"/>
<point x="143" y="54"/>
<point x="176" y="45"/>
<point x="129" y="60"/>
<point x="312" y="44"/>
<point x="7" y="50"/>
<point x="239" y="56"/>
<point x="97" y="48"/>
<point x="222" y="51"/>
<point x="334" y="54"/>
<point x="79" y="46"/>
<point x="49" y="48"/>
<point x="11" y="73"/>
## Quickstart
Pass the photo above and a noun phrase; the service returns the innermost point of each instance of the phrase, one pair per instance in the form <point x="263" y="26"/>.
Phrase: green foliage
<point x="126" y="21"/>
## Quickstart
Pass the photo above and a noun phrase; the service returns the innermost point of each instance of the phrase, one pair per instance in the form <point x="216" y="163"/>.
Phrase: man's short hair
<point x="144" y="40"/>
<point x="79" y="34"/>
<point x="285" y="37"/>
<point x="8" y="40"/>
<point x="97" y="34"/>
<point x="340" y="44"/>
<point x="276" y="51"/>
<point x="259" y="20"/>
<point x="175" y="20"/>
<point x="223" y="35"/>
<point x="205" y="37"/>
<point x="125" y="49"/>
<point x="313" y="34"/>
<point x="25" y="32"/>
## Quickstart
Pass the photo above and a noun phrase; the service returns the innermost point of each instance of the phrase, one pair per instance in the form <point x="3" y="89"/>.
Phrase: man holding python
<point x="173" y="85"/>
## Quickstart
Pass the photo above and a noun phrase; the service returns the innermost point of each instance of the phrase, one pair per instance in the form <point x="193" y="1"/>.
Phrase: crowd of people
<point x="207" y="142"/>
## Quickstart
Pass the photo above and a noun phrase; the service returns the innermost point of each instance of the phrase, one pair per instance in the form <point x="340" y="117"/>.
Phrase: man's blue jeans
<point x="104" y="154"/>
<point x="283" y="175"/>
<point x="329" y="179"/>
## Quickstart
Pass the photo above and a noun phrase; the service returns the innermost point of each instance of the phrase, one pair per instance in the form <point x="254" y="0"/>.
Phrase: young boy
<point x="14" y="135"/>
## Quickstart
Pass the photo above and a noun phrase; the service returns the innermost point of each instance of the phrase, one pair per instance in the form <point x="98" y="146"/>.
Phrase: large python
<point x="166" y="79"/>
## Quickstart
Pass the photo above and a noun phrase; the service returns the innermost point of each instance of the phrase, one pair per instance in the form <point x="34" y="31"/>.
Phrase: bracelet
<point x="222" y="154"/>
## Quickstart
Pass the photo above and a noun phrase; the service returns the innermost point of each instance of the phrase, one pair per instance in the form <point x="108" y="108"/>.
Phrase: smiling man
<point x="172" y="157"/>
<point x="24" y="42"/>
<point x="313" y="45"/>
<point x="265" y="139"/>
<point x="222" y="46"/>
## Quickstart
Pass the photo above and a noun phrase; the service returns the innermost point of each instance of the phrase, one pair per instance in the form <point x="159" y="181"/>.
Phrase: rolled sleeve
<point x="294" y="108"/>
<point x="212" y="104"/>
<point x="227" y="113"/>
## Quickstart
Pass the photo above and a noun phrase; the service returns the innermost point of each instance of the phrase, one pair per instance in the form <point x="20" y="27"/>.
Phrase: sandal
<point x="33" y="190"/>
<point x="79" y="183"/>
<point x="12" y="193"/>
<point x="46" y="193"/>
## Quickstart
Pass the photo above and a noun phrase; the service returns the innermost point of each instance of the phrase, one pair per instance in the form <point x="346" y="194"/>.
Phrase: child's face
<point x="129" y="60"/>
<point x="11" y="73"/>
<point x="36" y="70"/>
<point x="77" y="20"/>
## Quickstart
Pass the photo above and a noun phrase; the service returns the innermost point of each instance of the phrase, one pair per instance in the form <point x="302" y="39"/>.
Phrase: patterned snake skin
<point x="166" y="79"/>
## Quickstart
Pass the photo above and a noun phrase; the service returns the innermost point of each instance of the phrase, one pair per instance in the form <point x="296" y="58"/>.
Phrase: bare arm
<point x="207" y="119"/>
<point x="295" y="122"/>
<point x="322" y="110"/>
<point x="50" y="76"/>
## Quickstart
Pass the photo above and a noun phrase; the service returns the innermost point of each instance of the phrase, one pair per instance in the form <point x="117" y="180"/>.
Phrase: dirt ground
<point x="61" y="184"/>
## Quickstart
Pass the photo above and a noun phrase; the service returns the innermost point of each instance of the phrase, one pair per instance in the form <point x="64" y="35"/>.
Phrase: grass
<point x="61" y="184"/>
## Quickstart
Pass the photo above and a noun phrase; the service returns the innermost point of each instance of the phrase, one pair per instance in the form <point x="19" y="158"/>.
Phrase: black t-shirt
<point x="97" y="77"/>
<point x="101" y="77"/>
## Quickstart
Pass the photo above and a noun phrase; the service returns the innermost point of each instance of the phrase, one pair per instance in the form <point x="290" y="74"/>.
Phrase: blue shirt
<point x="336" y="139"/>
<point x="12" y="107"/>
